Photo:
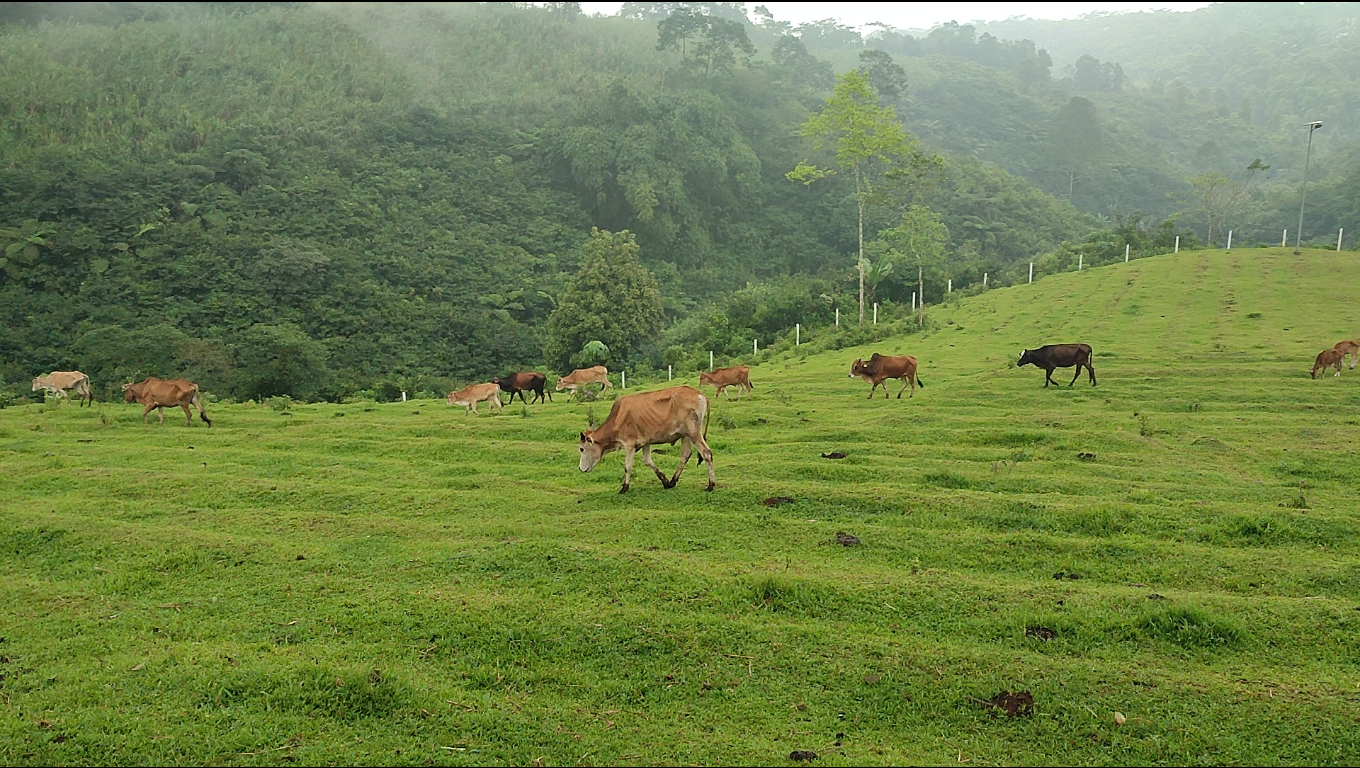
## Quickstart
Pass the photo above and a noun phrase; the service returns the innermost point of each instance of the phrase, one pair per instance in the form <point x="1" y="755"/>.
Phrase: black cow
<point x="1053" y="356"/>
<point x="524" y="382"/>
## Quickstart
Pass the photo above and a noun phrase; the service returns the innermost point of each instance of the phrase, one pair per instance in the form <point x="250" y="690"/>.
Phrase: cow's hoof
<point x="710" y="487"/>
<point x="624" y="489"/>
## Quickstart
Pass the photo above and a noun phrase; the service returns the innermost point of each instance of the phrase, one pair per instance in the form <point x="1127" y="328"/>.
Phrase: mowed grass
<point x="401" y="583"/>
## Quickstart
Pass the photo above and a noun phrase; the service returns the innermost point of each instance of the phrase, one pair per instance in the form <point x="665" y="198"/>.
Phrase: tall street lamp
<point x="1298" y="235"/>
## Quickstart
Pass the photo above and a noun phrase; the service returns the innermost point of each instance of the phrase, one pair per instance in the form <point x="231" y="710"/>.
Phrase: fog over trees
<point x="339" y="200"/>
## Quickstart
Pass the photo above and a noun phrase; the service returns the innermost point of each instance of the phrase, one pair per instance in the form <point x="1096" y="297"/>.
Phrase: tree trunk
<point x="860" y="263"/>
<point x="920" y="296"/>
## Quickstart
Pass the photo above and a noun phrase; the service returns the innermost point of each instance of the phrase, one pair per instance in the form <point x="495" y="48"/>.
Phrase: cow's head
<point x="858" y="369"/>
<point x="1026" y="358"/>
<point x="591" y="451"/>
<point x="36" y="385"/>
<point x="560" y="386"/>
<point x="504" y="382"/>
<point x="704" y="378"/>
<point x="452" y="395"/>
<point x="129" y="392"/>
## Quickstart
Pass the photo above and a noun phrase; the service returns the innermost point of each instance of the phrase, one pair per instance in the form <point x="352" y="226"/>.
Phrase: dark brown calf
<point x="1053" y="356"/>
<point x="524" y="382"/>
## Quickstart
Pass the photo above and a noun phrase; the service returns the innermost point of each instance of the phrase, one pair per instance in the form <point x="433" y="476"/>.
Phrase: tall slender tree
<point x="868" y="142"/>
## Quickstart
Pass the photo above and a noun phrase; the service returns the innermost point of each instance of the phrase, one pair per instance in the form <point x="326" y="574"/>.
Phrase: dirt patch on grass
<point x="775" y="501"/>
<point x="1041" y="633"/>
<point x="1018" y="704"/>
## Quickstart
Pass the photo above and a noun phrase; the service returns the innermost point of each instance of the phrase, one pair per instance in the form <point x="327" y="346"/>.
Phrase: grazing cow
<point x="519" y="383"/>
<point x="1328" y="357"/>
<point x="1351" y="348"/>
<point x="57" y="382"/>
<point x="469" y="396"/>
<point x="880" y="368"/>
<point x="582" y="376"/>
<point x="738" y="376"/>
<point x="1053" y="356"/>
<point x="166" y="393"/>
<point x="651" y="418"/>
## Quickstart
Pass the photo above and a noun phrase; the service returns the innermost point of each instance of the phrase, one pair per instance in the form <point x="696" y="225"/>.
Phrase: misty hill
<point x="323" y="199"/>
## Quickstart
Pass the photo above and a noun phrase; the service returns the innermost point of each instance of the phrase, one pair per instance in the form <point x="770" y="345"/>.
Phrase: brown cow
<point x="651" y="418"/>
<point x="582" y="376"/>
<point x="1328" y="357"/>
<point x="1351" y="348"/>
<point x="738" y="376"/>
<point x="166" y="393"/>
<point x="57" y="382"/>
<point x="880" y="368"/>
<point x="524" y="382"/>
<point x="469" y="396"/>
<point x="1053" y="356"/>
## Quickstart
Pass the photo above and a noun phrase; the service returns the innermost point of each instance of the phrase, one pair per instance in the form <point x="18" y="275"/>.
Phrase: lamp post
<point x="1298" y="235"/>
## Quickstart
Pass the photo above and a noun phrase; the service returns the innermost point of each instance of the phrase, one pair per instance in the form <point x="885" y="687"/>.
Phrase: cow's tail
<point x="202" y="413"/>
<point x="707" y="413"/>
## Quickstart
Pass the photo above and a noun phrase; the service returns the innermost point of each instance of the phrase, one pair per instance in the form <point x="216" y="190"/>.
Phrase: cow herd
<point x="638" y="422"/>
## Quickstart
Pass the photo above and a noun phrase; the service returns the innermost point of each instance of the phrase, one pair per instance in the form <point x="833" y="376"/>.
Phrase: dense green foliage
<point x="405" y="584"/>
<point x="326" y="201"/>
<point x="612" y="301"/>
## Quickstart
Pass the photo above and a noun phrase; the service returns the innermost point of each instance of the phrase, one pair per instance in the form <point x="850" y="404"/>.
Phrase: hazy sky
<point x="927" y="15"/>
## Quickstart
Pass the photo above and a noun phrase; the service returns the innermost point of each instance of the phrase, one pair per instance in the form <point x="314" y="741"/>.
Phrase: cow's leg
<point x="628" y="453"/>
<point x="145" y="412"/>
<point x="1075" y="374"/>
<point x="160" y="413"/>
<point x="1092" y="372"/>
<point x="706" y="456"/>
<point x="496" y="399"/>
<point x="647" y="459"/>
<point x="1048" y="378"/>
<point x="906" y="380"/>
<point x="188" y="415"/>
<point x="686" y="448"/>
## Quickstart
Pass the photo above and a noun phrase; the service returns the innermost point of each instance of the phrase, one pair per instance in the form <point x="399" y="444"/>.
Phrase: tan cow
<point x="651" y="418"/>
<point x="738" y="376"/>
<point x="57" y="382"/>
<point x="1328" y="358"/>
<point x="166" y="393"/>
<point x="582" y="376"/>
<point x="880" y="368"/>
<point x="1351" y="348"/>
<point x="469" y="396"/>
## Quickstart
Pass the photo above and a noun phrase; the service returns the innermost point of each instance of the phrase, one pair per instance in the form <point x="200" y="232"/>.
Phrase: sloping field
<point x="403" y="584"/>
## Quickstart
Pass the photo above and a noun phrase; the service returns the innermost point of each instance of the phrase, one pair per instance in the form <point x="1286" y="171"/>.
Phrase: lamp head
<point x="1314" y="125"/>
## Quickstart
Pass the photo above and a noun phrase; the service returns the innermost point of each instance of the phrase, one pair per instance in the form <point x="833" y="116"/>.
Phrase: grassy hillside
<point x="403" y="584"/>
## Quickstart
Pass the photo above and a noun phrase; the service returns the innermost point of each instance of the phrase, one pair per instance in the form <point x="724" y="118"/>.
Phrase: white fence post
<point x="1338" y="237"/>
<point x="1230" y="239"/>
<point x="838" y="317"/>
<point x="1081" y="258"/>
<point x="1178" y="244"/>
<point x="1031" y="271"/>
<point x="670" y="376"/>
<point x="1126" y="253"/>
<point x="623" y="379"/>
<point x="797" y="334"/>
<point x="403" y="395"/>
<point x="710" y="361"/>
<point x="913" y="301"/>
<point x="950" y="289"/>
<point x="875" y="313"/>
<point x="984" y="281"/>
<point x="1284" y="238"/>
<point x="755" y="346"/>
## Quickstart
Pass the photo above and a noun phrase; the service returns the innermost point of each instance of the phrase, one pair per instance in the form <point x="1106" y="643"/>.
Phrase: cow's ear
<point x="583" y="437"/>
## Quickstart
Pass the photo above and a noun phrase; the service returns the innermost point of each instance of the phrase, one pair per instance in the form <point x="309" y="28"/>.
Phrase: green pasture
<point x="404" y="584"/>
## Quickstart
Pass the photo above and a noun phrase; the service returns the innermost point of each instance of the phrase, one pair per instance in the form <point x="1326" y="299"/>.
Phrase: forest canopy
<point x="351" y="200"/>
